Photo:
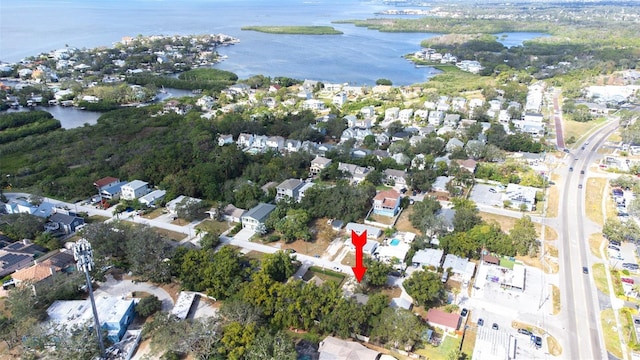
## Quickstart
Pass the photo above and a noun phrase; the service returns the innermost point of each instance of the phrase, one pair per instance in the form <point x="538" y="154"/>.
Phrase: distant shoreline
<point x="294" y="30"/>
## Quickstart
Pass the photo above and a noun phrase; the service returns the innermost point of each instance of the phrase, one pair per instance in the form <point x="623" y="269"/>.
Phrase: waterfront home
<point x="391" y="114"/>
<point x="313" y="104"/>
<point x="436" y="118"/>
<point x="405" y="116"/>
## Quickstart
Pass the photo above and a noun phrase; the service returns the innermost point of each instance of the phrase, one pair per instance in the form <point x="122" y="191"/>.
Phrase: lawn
<point x="154" y="214"/>
<point x="213" y="226"/>
<point x="593" y="197"/>
<point x="324" y="235"/>
<point x="555" y="296"/>
<point x="381" y="219"/>
<point x="403" y="223"/>
<point x="600" y="278"/>
<point x="96" y="219"/>
<point x="324" y="274"/>
<point x="595" y="240"/>
<point x="448" y="345"/>
<point x="172" y="235"/>
<point x="553" y="198"/>
<point x="611" y="338"/>
<point x="469" y="341"/>
<point x="507" y="222"/>
<point x="579" y="129"/>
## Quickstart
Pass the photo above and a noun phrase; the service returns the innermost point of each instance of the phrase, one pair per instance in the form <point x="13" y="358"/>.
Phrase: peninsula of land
<point x="295" y="30"/>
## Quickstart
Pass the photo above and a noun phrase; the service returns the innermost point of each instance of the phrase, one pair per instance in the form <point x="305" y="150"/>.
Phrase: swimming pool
<point x="394" y="242"/>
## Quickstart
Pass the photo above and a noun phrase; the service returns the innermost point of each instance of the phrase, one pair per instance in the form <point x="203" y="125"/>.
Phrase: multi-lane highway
<point x="578" y="289"/>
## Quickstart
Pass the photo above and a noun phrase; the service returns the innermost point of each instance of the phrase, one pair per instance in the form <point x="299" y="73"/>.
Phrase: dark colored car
<point x="571" y="168"/>
<point x="464" y="312"/>
<point x="585" y="270"/>
<point x="495" y="326"/>
<point x="480" y="322"/>
<point x="581" y="172"/>
<point x="524" y="332"/>
<point x="538" y="342"/>
<point x="614" y="242"/>
<point x="579" y="186"/>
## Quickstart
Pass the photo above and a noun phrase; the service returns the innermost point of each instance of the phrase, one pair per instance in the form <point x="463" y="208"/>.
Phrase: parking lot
<point x="485" y="194"/>
<point x="494" y="304"/>
<point x="627" y="254"/>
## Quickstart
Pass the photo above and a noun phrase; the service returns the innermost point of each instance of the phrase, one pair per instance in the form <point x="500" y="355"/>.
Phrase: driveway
<point x="244" y="235"/>
<point x="124" y="288"/>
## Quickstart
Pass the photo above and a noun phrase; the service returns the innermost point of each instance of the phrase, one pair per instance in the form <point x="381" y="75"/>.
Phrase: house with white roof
<point x="391" y="114"/>
<point x="518" y="197"/>
<point x="313" y="104"/>
<point x="405" y="116"/>
<point x="428" y="258"/>
<point x="245" y="140"/>
<point x="134" y="189"/>
<point x="460" y="268"/>
<point x="436" y="118"/>
<point x="152" y="198"/>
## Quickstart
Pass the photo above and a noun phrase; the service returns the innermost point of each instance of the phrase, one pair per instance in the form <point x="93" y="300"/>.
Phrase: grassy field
<point x="594" y="244"/>
<point x="507" y="222"/>
<point x="173" y="235"/>
<point x="448" y="345"/>
<point x="611" y="339"/>
<point x="298" y="30"/>
<point x="469" y="341"/>
<point x="96" y="219"/>
<point x="554" y="347"/>
<point x="555" y="295"/>
<point x="213" y="226"/>
<point x="553" y="199"/>
<point x="325" y="275"/>
<point x="403" y="223"/>
<point x="154" y="214"/>
<point x="593" y="199"/>
<point x="600" y="278"/>
<point x="579" y="129"/>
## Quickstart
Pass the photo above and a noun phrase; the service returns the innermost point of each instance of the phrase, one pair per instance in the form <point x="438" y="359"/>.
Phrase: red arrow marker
<point x="359" y="241"/>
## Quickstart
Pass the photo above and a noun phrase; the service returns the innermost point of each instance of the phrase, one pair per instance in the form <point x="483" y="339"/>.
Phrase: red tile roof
<point x="387" y="194"/>
<point x="35" y="273"/>
<point x="105" y="181"/>
<point x="442" y="318"/>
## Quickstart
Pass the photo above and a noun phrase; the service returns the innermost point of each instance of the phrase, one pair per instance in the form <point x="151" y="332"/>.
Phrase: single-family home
<point x="448" y="322"/>
<point x="358" y="153"/>
<point x="436" y="118"/>
<point x="332" y="348"/>
<point x="447" y="215"/>
<point x="393" y="251"/>
<point x="459" y="103"/>
<point x="468" y="164"/>
<point x="288" y="189"/>
<point x="440" y="184"/>
<point x="173" y="205"/>
<point x="323" y="149"/>
<point x="533" y="117"/>
<point x="134" y="189"/>
<point x="451" y="120"/>
<point x="396" y="178"/>
<point x="313" y="104"/>
<point x="454" y="144"/>
<point x="387" y="203"/>
<point x="20" y="206"/>
<point x="106" y="182"/>
<point x="254" y="219"/>
<point x="460" y="269"/>
<point x="405" y="116"/>
<point x="357" y="173"/>
<point x="318" y="164"/>
<point x="368" y="112"/>
<point x="232" y="214"/>
<point x="275" y="143"/>
<point x="427" y="257"/>
<point x="18" y="255"/>
<point x="372" y="232"/>
<point x="152" y="198"/>
<point x="63" y="223"/>
<point x="301" y="192"/>
<point x="291" y="145"/>
<point x="206" y="102"/>
<point x="355" y="133"/>
<point x="382" y="138"/>
<point x="44" y="270"/>
<point x="369" y="248"/>
<point x="245" y="140"/>
<point x="339" y="99"/>
<point x="391" y="114"/>
<point x="259" y="142"/>
<point x="225" y="139"/>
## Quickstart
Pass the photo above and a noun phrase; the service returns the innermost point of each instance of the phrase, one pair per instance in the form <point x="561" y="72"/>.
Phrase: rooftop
<point x="443" y="318"/>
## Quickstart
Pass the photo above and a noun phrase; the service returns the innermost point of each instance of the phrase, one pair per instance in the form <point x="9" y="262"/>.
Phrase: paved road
<point x="578" y="292"/>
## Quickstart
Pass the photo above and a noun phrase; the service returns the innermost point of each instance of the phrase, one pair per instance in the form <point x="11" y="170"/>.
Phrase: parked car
<point x="636" y="321"/>
<point x="614" y="242"/>
<point x="495" y="326"/>
<point x="579" y="186"/>
<point x="613" y="247"/>
<point x="581" y="172"/>
<point x="480" y="322"/>
<point x="585" y="270"/>
<point x="524" y="332"/>
<point x="492" y="190"/>
<point x="464" y="312"/>
<point x="538" y="341"/>
<point x="571" y="168"/>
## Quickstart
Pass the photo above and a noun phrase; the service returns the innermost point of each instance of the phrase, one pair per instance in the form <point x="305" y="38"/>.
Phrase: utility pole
<point x="83" y="254"/>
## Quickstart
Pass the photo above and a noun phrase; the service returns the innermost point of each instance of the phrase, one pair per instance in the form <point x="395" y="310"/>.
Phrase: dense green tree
<point x="21" y="226"/>
<point x="148" y="305"/>
<point x="377" y="273"/>
<point x="466" y="216"/>
<point x="271" y="346"/>
<point x="398" y="328"/>
<point x="278" y="265"/>
<point x="425" y="288"/>
<point x="524" y="236"/>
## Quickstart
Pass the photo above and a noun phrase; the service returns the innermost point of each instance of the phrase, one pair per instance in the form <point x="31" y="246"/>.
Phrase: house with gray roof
<point x="372" y="232"/>
<point x="134" y="189"/>
<point x="318" y="164"/>
<point x="399" y="178"/>
<point x="357" y="173"/>
<point x="255" y="218"/>
<point x="461" y="268"/>
<point x="64" y="223"/>
<point x="453" y="144"/>
<point x="288" y="189"/>
<point x="427" y="257"/>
